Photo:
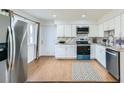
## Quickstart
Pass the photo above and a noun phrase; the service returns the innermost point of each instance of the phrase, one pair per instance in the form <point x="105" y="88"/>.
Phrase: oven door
<point x="83" y="52"/>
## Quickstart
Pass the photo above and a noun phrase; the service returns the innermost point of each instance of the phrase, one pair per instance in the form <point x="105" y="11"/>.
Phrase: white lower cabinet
<point x="65" y="52"/>
<point x="101" y="54"/>
<point x="98" y="52"/>
<point x="70" y="51"/>
<point x="93" y="51"/>
<point x="60" y="51"/>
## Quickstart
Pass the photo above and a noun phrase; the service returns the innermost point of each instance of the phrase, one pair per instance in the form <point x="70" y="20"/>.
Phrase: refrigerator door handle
<point x="13" y="39"/>
<point x="14" y="48"/>
<point x="10" y="49"/>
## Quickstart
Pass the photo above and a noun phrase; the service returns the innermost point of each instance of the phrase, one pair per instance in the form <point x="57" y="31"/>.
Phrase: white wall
<point x="47" y="40"/>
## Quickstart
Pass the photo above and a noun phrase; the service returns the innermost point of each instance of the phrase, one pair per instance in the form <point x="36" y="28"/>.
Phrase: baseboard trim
<point x="72" y="82"/>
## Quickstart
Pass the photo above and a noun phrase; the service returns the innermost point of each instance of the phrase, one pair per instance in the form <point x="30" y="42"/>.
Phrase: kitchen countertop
<point x="113" y="48"/>
<point x="116" y="49"/>
<point x="66" y="44"/>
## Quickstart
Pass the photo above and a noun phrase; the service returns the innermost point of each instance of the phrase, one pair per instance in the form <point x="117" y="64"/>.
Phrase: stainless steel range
<point x="83" y="50"/>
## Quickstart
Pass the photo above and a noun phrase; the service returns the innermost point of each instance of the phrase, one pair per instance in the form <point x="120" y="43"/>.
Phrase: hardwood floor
<point x="48" y="69"/>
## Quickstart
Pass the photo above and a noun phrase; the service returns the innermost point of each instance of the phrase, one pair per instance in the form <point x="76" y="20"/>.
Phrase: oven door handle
<point x="114" y="54"/>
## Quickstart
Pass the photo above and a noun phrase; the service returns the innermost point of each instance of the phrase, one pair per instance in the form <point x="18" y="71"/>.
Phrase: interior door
<point x="49" y="36"/>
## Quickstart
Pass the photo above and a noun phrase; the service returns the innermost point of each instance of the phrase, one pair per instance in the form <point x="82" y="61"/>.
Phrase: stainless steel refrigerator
<point x="13" y="38"/>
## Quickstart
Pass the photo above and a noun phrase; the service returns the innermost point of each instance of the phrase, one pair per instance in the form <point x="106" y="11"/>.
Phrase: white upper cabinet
<point x="106" y="26"/>
<point x="117" y="26"/>
<point x="114" y="24"/>
<point x="122" y="25"/>
<point x="73" y="30"/>
<point x="67" y="31"/>
<point x="109" y="25"/>
<point x="60" y="31"/>
<point x="100" y="30"/>
<point x="93" y="31"/>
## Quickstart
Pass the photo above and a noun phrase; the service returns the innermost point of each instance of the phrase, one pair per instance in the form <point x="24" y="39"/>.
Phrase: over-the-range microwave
<point x="82" y="30"/>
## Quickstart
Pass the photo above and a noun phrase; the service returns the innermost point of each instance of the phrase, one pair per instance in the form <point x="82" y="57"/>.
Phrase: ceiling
<point x="67" y="14"/>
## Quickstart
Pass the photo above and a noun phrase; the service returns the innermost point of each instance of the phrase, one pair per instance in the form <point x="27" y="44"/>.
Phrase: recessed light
<point x="54" y="16"/>
<point x="83" y="16"/>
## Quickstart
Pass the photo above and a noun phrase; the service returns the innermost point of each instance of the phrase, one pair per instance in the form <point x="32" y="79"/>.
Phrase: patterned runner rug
<point x="85" y="72"/>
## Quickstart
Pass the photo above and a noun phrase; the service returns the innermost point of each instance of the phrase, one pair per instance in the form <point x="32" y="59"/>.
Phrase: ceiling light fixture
<point x="83" y="16"/>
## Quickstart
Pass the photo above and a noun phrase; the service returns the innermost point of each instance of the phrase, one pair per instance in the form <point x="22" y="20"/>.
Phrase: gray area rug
<point x="85" y="72"/>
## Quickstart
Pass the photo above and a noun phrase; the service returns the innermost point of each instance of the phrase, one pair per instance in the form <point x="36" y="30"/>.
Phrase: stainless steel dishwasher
<point x="113" y="63"/>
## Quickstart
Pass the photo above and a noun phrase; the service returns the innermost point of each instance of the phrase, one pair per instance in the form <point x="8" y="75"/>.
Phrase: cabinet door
<point x="103" y="56"/>
<point x="93" y="51"/>
<point x="60" y="51"/>
<point x="73" y="31"/>
<point x="122" y="25"/>
<point x="98" y="52"/>
<point x="117" y="26"/>
<point x="71" y="51"/>
<point x="60" y="31"/>
<point x="111" y="24"/>
<point x="67" y="31"/>
<point x="100" y="30"/>
<point x="93" y="31"/>
<point x="106" y="25"/>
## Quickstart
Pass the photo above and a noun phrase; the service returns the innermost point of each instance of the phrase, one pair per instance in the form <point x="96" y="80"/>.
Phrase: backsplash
<point x="118" y="42"/>
<point x="73" y="39"/>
